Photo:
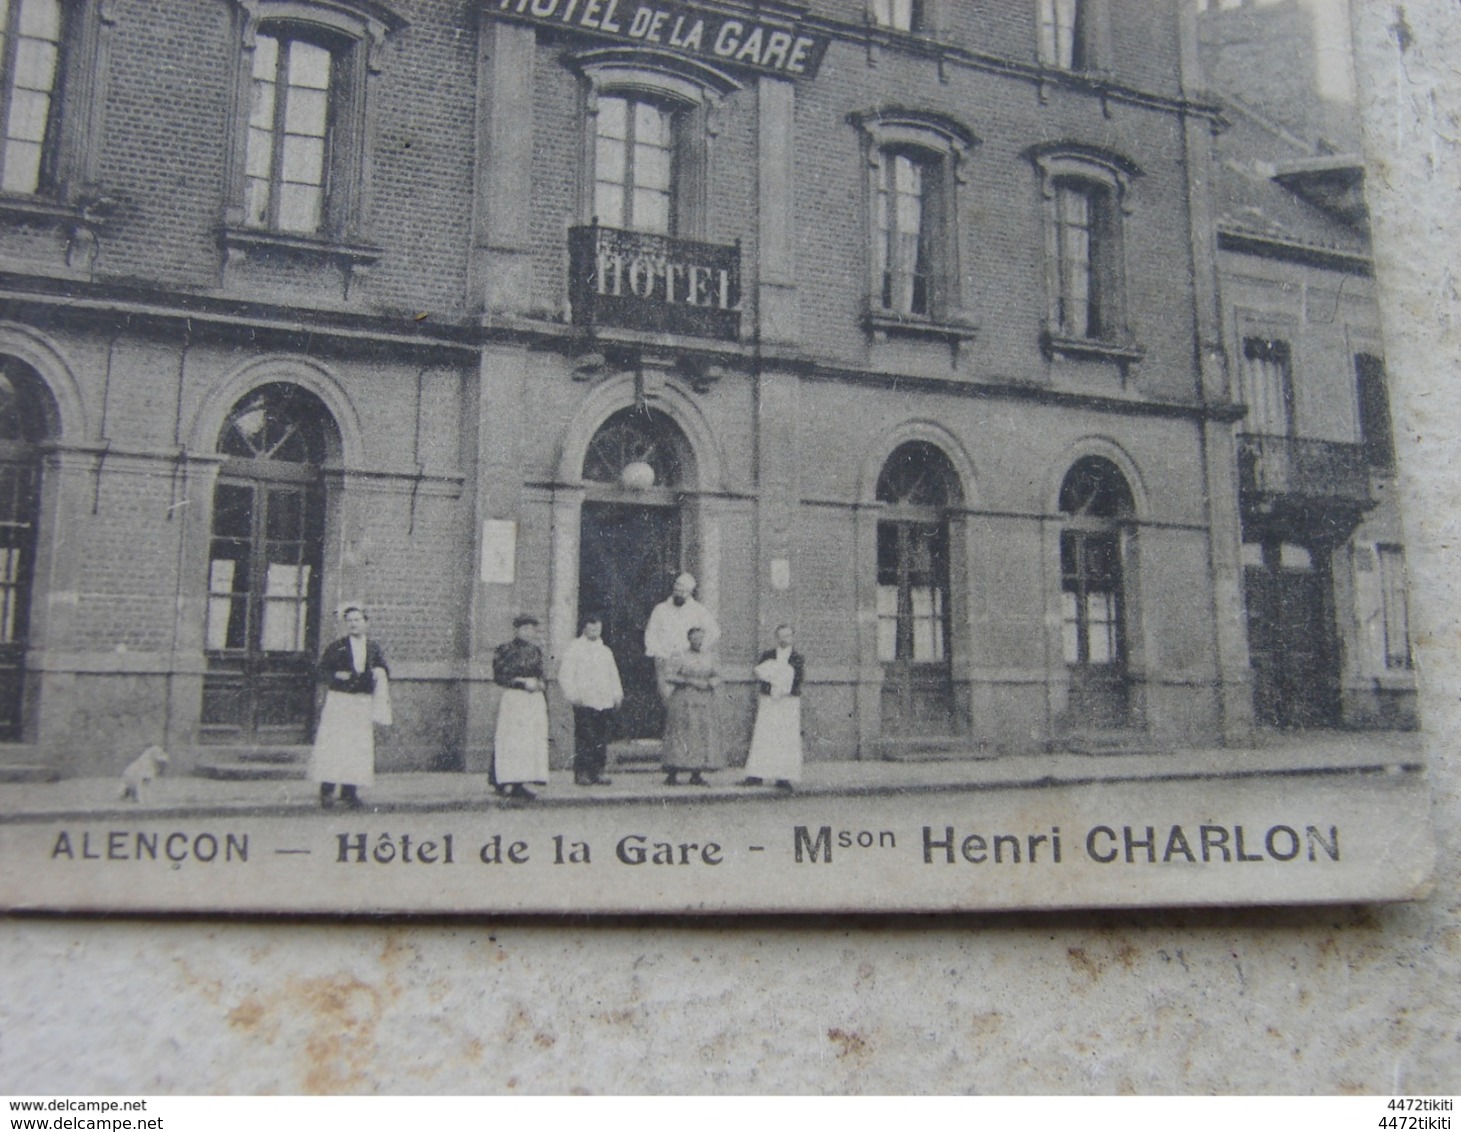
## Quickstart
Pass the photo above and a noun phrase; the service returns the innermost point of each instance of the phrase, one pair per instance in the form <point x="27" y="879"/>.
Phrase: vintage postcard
<point x="695" y="455"/>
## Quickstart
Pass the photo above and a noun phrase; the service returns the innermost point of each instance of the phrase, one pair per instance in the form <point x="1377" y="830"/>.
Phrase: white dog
<point x="137" y="778"/>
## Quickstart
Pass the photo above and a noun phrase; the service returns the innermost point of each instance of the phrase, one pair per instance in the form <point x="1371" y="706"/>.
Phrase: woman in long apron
<point x="520" y="744"/>
<point x="692" y="730"/>
<point x="353" y="670"/>
<point x="776" y="741"/>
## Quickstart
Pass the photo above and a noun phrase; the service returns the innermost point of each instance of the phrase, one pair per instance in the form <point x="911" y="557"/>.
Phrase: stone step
<point x="241" y="753"/>
<point x="22" y="762"/>
<point x="1111" y="743"/>
<point x="28" y="772"/>
<point x="931" y="748"/>
<point x="627" y="754"/>
<point x="249" y="771"/>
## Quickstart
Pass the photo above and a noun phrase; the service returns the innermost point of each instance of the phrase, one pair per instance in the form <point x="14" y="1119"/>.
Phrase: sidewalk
<point x="1299" y="754"/>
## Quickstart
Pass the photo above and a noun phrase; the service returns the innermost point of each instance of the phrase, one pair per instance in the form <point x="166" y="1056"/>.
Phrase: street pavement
<point x="1303" y="753"/>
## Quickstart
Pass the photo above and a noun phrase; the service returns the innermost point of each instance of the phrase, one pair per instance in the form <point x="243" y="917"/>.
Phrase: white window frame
<point x="898" y="15"/>
<point x="1074" y="35"/>
<point x="68" y="163"/>
<point x="354" y="31"/>
<point x="692" y="91"/>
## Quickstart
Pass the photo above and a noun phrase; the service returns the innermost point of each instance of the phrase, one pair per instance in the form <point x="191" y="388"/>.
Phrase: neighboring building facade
<point x="1323" y="553"/>
<point x="896" y="319"/>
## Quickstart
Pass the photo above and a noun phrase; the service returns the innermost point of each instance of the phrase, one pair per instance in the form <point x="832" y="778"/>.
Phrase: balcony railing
<point x="1299" y="468"/>
<point x="645" y="281"/>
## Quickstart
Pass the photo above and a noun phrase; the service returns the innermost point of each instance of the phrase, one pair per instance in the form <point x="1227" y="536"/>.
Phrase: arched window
<point x="22" y="427"/>
<point x="264" y="564"/>
<point x="1094" y="498"/>
<point x="917" y="485"/>
<point x="636" y="436"/>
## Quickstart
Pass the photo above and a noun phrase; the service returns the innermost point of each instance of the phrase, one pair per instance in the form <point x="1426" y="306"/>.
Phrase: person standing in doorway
<point x="353" y="670"/>
<point x="669" y="625"/>
<point x="776" y="741"/>
<point x="520" y="745"/>
<point x="692" y="729"/>
<point x="590" y="682"/>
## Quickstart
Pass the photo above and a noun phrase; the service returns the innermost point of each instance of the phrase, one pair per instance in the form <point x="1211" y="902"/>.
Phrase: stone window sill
<point x="882" y="324"/>
<point x="40" y="211"/>
<point x="1095" y="349"/>
<point x="252" y="240"/>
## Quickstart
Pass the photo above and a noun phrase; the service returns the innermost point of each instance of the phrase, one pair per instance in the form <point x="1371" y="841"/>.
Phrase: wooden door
<point x="263" y="607"/>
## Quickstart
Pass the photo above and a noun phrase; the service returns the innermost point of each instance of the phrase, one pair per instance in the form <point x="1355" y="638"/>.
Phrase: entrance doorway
<point x="631" y="546"/>
<point x="22" y="427"/>
<point x="264" y="567"/>
<point x="1290" y="636"/>
<point x="917" y="485"/>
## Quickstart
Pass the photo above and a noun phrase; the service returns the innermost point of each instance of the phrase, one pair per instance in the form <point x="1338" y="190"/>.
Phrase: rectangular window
<point x="1083" y="254"/>
<point x="913" y="608"/>
<point x="287" y="162"/>
<point x="1395" y="606"/>
<point x="1376" y="433"/>
<point x="1090" y="566"/>
<point x="1064" y="34"/>
<point x="634" y="166"/>
<point x="1268" y="386"/>
<point x="902" y="243"/>
<point x="30" y="54"/>
<point x="900" y="15"/>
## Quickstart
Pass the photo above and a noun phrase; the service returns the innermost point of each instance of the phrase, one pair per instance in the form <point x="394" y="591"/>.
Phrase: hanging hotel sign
<point x="644" y="281"/>
<point x="772" y="46"/>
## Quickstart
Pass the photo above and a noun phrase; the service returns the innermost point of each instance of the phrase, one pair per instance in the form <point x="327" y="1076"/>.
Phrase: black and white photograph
<point x="469" y="456"/>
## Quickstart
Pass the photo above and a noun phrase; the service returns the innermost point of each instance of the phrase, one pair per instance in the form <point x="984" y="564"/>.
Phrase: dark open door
<point x="628" y="557"/>
<point x="1290" y="639"/>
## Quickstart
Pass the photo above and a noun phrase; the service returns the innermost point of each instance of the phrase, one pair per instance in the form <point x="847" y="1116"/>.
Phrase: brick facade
<point x="437" y="336"/>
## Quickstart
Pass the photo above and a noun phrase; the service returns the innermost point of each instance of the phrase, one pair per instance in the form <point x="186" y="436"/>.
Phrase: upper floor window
<point x="650" y="122"/>
<point x="1268" y="386"/>
<point x="1086" y="195"/>
<point x="1376" y="433"/>
<point x="903" y="247"/>
<point x="303" y="144"/>
<point x="916" y="166"/>
<point x="30" y="56"/>
<point x="1083" y="251"/>
<point x="289" y="134"/>
<point x="899" y="15"/>
<point x="635" y="165"/>
<point x="1066" y="34"/>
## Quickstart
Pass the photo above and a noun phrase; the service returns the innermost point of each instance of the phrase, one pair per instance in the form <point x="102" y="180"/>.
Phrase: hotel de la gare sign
<point x="768" y="45"/>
